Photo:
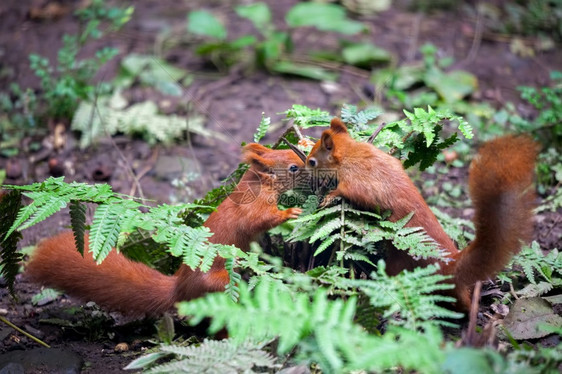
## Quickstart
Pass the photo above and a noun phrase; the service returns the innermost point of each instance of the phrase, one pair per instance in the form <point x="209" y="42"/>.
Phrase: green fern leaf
<point x="532" y="260"/>
<point x="426" y="153"/>
<point x="326" y="230"/>
<point x="231" y="288"/>
<point x="327" y="242"/>
<point x="78" y="223"/>
<point x="319" y="214"/>
<point x="207" y="253"/>
<point x="417" y="242"/>
<point x="358" y="119"/>
<point x="305" y="117"/>
<point x="211" y="356"/>
<point x="193" y="240"/>
<point x="262" y="128"/>
<point x="10" y="258"/>
<point x="26" y="212"/>
<point x="356" y="256"/>
<point x="411" y="294"/>
<point x="270" y="310"/>
<point x="105" y="229"/>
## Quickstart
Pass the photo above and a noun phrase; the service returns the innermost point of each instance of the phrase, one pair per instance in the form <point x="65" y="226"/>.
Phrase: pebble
<point x="121" y="347"/>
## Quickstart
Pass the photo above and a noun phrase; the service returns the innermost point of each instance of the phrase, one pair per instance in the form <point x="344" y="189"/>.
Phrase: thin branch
<point x="471" y="336"/>
<point x="284" y="135"/>
<point x="394" y="149"/>
<point x="298" y="132"/>
<point x="377" y="131"/>
<point x="37" y="340"/>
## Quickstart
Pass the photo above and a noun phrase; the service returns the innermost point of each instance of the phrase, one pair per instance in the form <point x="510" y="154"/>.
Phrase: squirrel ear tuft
<point x="337" y="126"/>
<point x="258" y="162"/>
<point x="255" y="148"/>
<point x="327" y="141"/>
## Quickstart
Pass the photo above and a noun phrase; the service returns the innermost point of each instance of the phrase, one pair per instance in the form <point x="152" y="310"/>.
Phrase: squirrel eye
<point x="312" y="162"/>
<point x="293" y="168"/>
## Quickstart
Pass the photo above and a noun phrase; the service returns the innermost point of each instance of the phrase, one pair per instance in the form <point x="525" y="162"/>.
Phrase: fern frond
<point x="52" y="195"/>
<point x="411" y="294"/>
<point x="305" y="117"/>
<point x="532" y="260"/>
<point x="269" y="311"/>
<point x="535" y="289"/>
<point x="326" y="230"/>
<point x="262" y="128"/>
<point x="319" y="214"/>
<point x="356" y="256"/>
<point x="417" y="242"/>
<point x="54" y="204"/>
<point x="26" y="212"/>
<point x="459" y="229"/>
<point x="211" y="356"/>
<point x="10" y="258"/>
<point x="358" y="119"/>
<point x="326" y="243"/>
<point x="207" y="253"/>
<point x="78" y="223"/>
<point x="189" y="244"/>
<point x="105" y="230"/>
<point x="231" y="289"/>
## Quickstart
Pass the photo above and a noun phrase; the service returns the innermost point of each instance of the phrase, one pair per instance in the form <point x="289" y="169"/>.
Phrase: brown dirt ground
<point x="233" y="109"/>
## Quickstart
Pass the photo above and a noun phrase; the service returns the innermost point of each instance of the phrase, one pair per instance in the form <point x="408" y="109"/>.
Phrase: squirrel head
<point x="328" y="151"/>
<point x="281" y="166"/>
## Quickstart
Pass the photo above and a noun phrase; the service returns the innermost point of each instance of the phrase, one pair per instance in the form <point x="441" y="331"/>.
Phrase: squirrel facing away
<point x="136" y="289"/>
<point x="500" y="184"/>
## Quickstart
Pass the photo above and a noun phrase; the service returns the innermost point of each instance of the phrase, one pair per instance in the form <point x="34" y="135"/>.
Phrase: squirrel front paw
<point x="328" y="200"/>
<point x="293" y="213"/>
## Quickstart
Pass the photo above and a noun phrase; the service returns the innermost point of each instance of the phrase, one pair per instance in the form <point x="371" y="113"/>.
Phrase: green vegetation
<point x="330" y="315"/>
<point x="273" y="48"/>
<point x="533" y="17"/>
<point x="71" y="79"/>
<point x="345" y="314"/>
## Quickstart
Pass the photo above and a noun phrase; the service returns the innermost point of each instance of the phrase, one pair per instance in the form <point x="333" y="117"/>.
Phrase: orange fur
<point x="500" y="185"/>
<point x="133" y="288"/>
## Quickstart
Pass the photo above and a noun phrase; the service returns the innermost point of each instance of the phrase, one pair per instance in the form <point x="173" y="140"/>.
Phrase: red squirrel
<point x="136" y="289"/>
<point x="500" y="183"/>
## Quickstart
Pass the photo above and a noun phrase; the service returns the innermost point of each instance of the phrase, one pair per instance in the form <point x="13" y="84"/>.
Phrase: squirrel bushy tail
<point x="117" y="283"/>
<point x="501" y="188"/>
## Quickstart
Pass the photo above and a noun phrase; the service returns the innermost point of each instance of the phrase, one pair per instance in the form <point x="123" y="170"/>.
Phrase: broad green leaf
<point x="272" y="48"/>
<point x="453" y="86"/>
<point x="243" y="41"/>
<point x="135" y="63"/>
<point x="202" y="22"/>
<point x="364" y="54"/>
<point x="145" y="361"/>
<point x="527" y="314"/>
<point x="325" y="17"/>
<point x="471" y="361"/>
<point x="307" y="71"/>
<point x="258" y="13"/>
<point x="407" y="76"/>
<point x="153" y="71"/>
